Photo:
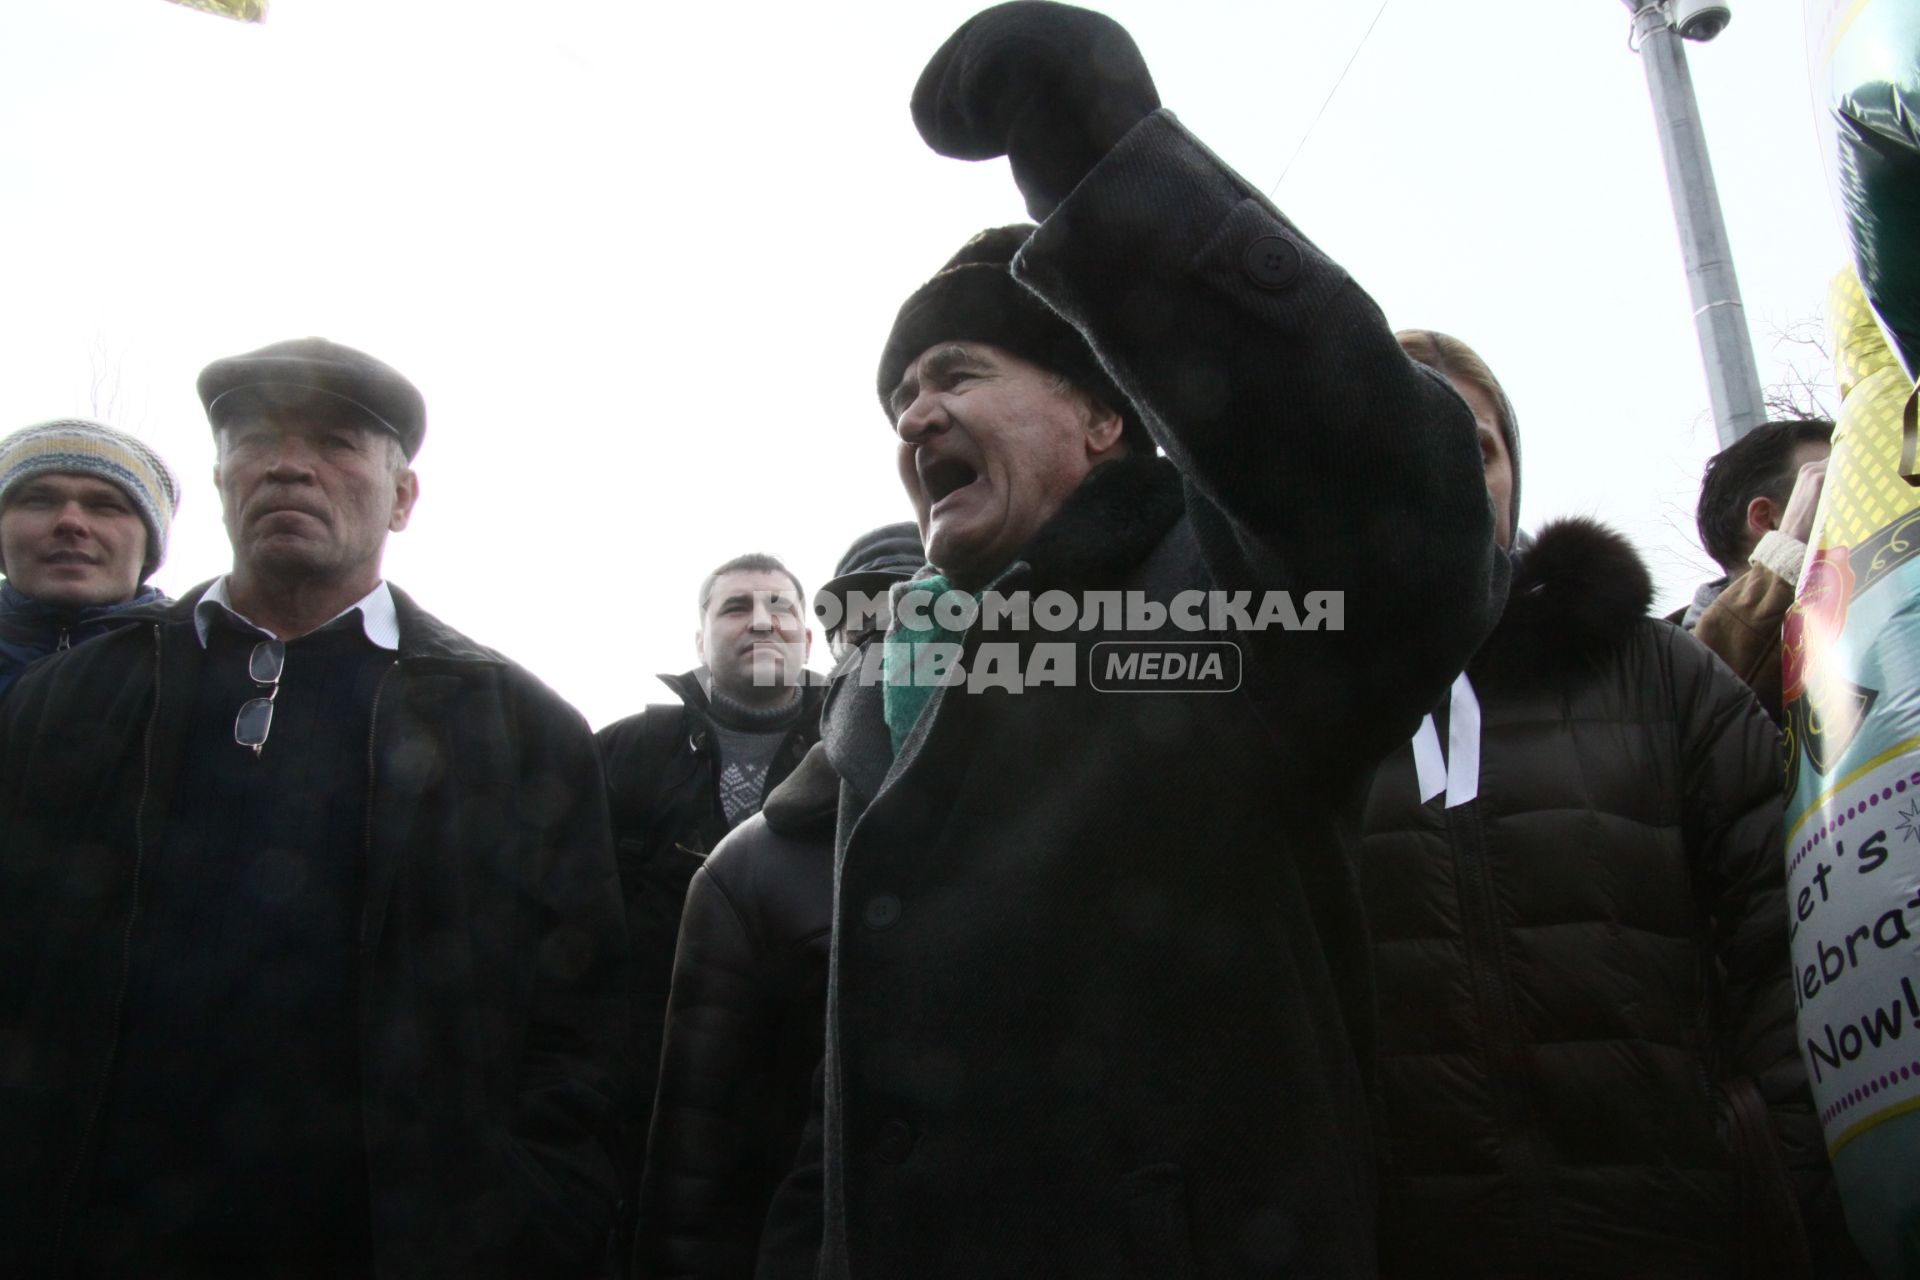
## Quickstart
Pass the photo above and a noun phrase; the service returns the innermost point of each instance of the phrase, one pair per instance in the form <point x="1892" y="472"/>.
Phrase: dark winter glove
<point x="1049" y="86"/>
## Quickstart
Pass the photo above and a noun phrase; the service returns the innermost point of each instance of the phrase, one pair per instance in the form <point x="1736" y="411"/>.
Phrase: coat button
<point x="895" y="1141"/>
<point x="882" y="912"/>
<point x="1272" y="262"/>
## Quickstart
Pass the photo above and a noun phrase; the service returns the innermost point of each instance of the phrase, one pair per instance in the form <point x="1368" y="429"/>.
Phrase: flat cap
<point x="302" y="369"/>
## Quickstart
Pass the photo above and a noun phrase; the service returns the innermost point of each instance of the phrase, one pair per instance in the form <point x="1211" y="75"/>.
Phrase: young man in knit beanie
<point x="84" y="514"/>
<point x="1100" y="1000"/>
<point x="680" y="776"/>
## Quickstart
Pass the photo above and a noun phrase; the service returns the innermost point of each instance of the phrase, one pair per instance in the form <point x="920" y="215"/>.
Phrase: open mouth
<point x="945" y="476"/>
<point x="68" y="557"/>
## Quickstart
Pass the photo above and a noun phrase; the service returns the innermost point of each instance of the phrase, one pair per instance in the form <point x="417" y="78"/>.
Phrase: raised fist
<point x="1050" y="86"/>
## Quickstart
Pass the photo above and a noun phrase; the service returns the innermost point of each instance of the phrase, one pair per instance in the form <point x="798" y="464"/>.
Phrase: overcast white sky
<point x="641" y="261"/>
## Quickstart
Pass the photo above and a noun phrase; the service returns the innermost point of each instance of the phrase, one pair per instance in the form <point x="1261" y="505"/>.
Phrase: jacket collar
<point x="378" y="620"/>
<point x="691" y="687"/>
<point x="422" y="636"/>
<point x="1106" y="527"/>
<point x="808" y="799"/>
<point x="15" y="604"/>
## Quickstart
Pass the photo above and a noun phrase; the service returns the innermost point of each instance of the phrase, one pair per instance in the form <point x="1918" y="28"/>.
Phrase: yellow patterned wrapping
<point x="1864" y="492"/>
<point x="244" y="10"/>
<point x="1851" y="675"/>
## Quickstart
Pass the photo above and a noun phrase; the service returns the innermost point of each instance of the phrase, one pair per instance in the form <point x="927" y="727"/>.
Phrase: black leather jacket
<point x="743" y="1033"/>
<point x="664" y="800"/>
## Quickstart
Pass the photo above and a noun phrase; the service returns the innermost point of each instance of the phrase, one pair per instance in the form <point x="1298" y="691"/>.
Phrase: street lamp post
<point x="1733" y="381"/>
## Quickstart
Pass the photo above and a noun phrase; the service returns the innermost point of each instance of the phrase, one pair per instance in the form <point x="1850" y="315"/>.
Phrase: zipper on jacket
<point x="1493" y="990"/>
<point x="360" y="954"/>
<point x="65" y="643"/>
<point x="62" y="1216"/>
<point x="366" y="823"/>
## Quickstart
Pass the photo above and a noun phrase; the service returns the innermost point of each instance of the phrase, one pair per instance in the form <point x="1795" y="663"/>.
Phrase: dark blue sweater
<point x="231" y="1142"/>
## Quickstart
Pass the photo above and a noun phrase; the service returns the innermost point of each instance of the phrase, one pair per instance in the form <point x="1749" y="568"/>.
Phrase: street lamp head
<point x="1699" y="19"/>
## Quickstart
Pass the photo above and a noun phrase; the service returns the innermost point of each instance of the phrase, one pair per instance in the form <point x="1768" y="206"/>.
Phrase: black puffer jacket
<point x="1573" y="966"/>
<point x="491" y="953"/>
<point x="743" y="1034"/>
<point x="664" y="800"/>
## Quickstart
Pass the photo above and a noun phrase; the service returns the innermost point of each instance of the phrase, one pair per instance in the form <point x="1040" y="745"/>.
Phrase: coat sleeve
<point x="1734" y="807"/>
<point x="1742" y="627"/>
<point x="643" y="768"/>
<point x="1317" y="457"/>
<point x="566" y="1119"/>
<point x="699" y="1205"/>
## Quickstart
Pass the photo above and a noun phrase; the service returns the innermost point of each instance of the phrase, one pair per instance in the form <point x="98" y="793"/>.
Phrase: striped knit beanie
<point x="74" y="446"/>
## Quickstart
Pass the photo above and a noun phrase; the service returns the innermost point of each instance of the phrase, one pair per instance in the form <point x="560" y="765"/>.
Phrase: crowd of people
<point x="1444" y="935"/>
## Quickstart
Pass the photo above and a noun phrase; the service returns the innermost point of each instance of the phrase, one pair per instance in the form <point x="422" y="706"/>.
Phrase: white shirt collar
<point x="377" y="616"/>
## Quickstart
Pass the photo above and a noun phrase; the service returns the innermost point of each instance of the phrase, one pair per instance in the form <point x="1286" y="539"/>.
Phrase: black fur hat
<point x="974" y="298"/>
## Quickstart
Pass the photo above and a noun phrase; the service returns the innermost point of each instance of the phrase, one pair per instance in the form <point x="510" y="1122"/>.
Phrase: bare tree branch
<point x="1807" y="388"/>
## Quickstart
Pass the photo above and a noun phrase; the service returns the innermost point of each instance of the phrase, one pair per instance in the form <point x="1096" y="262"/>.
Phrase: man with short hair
<point x="84" y="514"/>
<point x="1757" y="502"/>
<point x="744" y="1024"/>
<point x="311" y="957"/>
<point x="680" y="776"/>
<point x="1100" y="999"/>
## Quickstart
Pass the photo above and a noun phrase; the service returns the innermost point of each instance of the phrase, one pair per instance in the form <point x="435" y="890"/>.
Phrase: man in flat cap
<point x="84" y="514"/>
<point x="311" y="952"/>
<point x="1100" y="1000"/>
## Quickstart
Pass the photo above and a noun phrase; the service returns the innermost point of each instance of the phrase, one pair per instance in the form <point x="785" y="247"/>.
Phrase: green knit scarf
<point x="902" y="698"/>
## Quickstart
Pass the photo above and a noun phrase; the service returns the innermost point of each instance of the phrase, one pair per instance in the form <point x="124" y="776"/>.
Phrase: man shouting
<point x="1099" y="999"/>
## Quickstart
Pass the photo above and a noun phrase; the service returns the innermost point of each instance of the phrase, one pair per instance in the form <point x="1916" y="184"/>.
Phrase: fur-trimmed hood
<point x="1579" y="591"/>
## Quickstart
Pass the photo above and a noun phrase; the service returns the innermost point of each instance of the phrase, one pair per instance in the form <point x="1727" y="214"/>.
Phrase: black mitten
<point x="1050" y="86"/>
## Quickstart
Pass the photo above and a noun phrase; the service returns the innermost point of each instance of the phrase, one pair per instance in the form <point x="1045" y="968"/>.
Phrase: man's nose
<point x="292" y="457"/>
<point x="72" y="519"/>
<point x="925" y="416"/>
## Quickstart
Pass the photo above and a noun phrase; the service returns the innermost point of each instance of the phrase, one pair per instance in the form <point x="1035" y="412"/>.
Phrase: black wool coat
<point x="1100" y="1002"/>
<point x="744" y="1030"/>
<point x="1576" y="964"/>
<point x="491" y="946"/>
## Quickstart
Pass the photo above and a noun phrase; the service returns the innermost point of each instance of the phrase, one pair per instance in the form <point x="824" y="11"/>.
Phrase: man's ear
<point x="700" y="644"/>
<point x="1763" y="516"/>
<point x="406" y="492"/>
<point x="1105" y="427"/>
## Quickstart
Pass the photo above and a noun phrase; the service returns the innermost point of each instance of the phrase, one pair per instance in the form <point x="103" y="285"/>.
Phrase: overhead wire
<point x="1305" y="137"/>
